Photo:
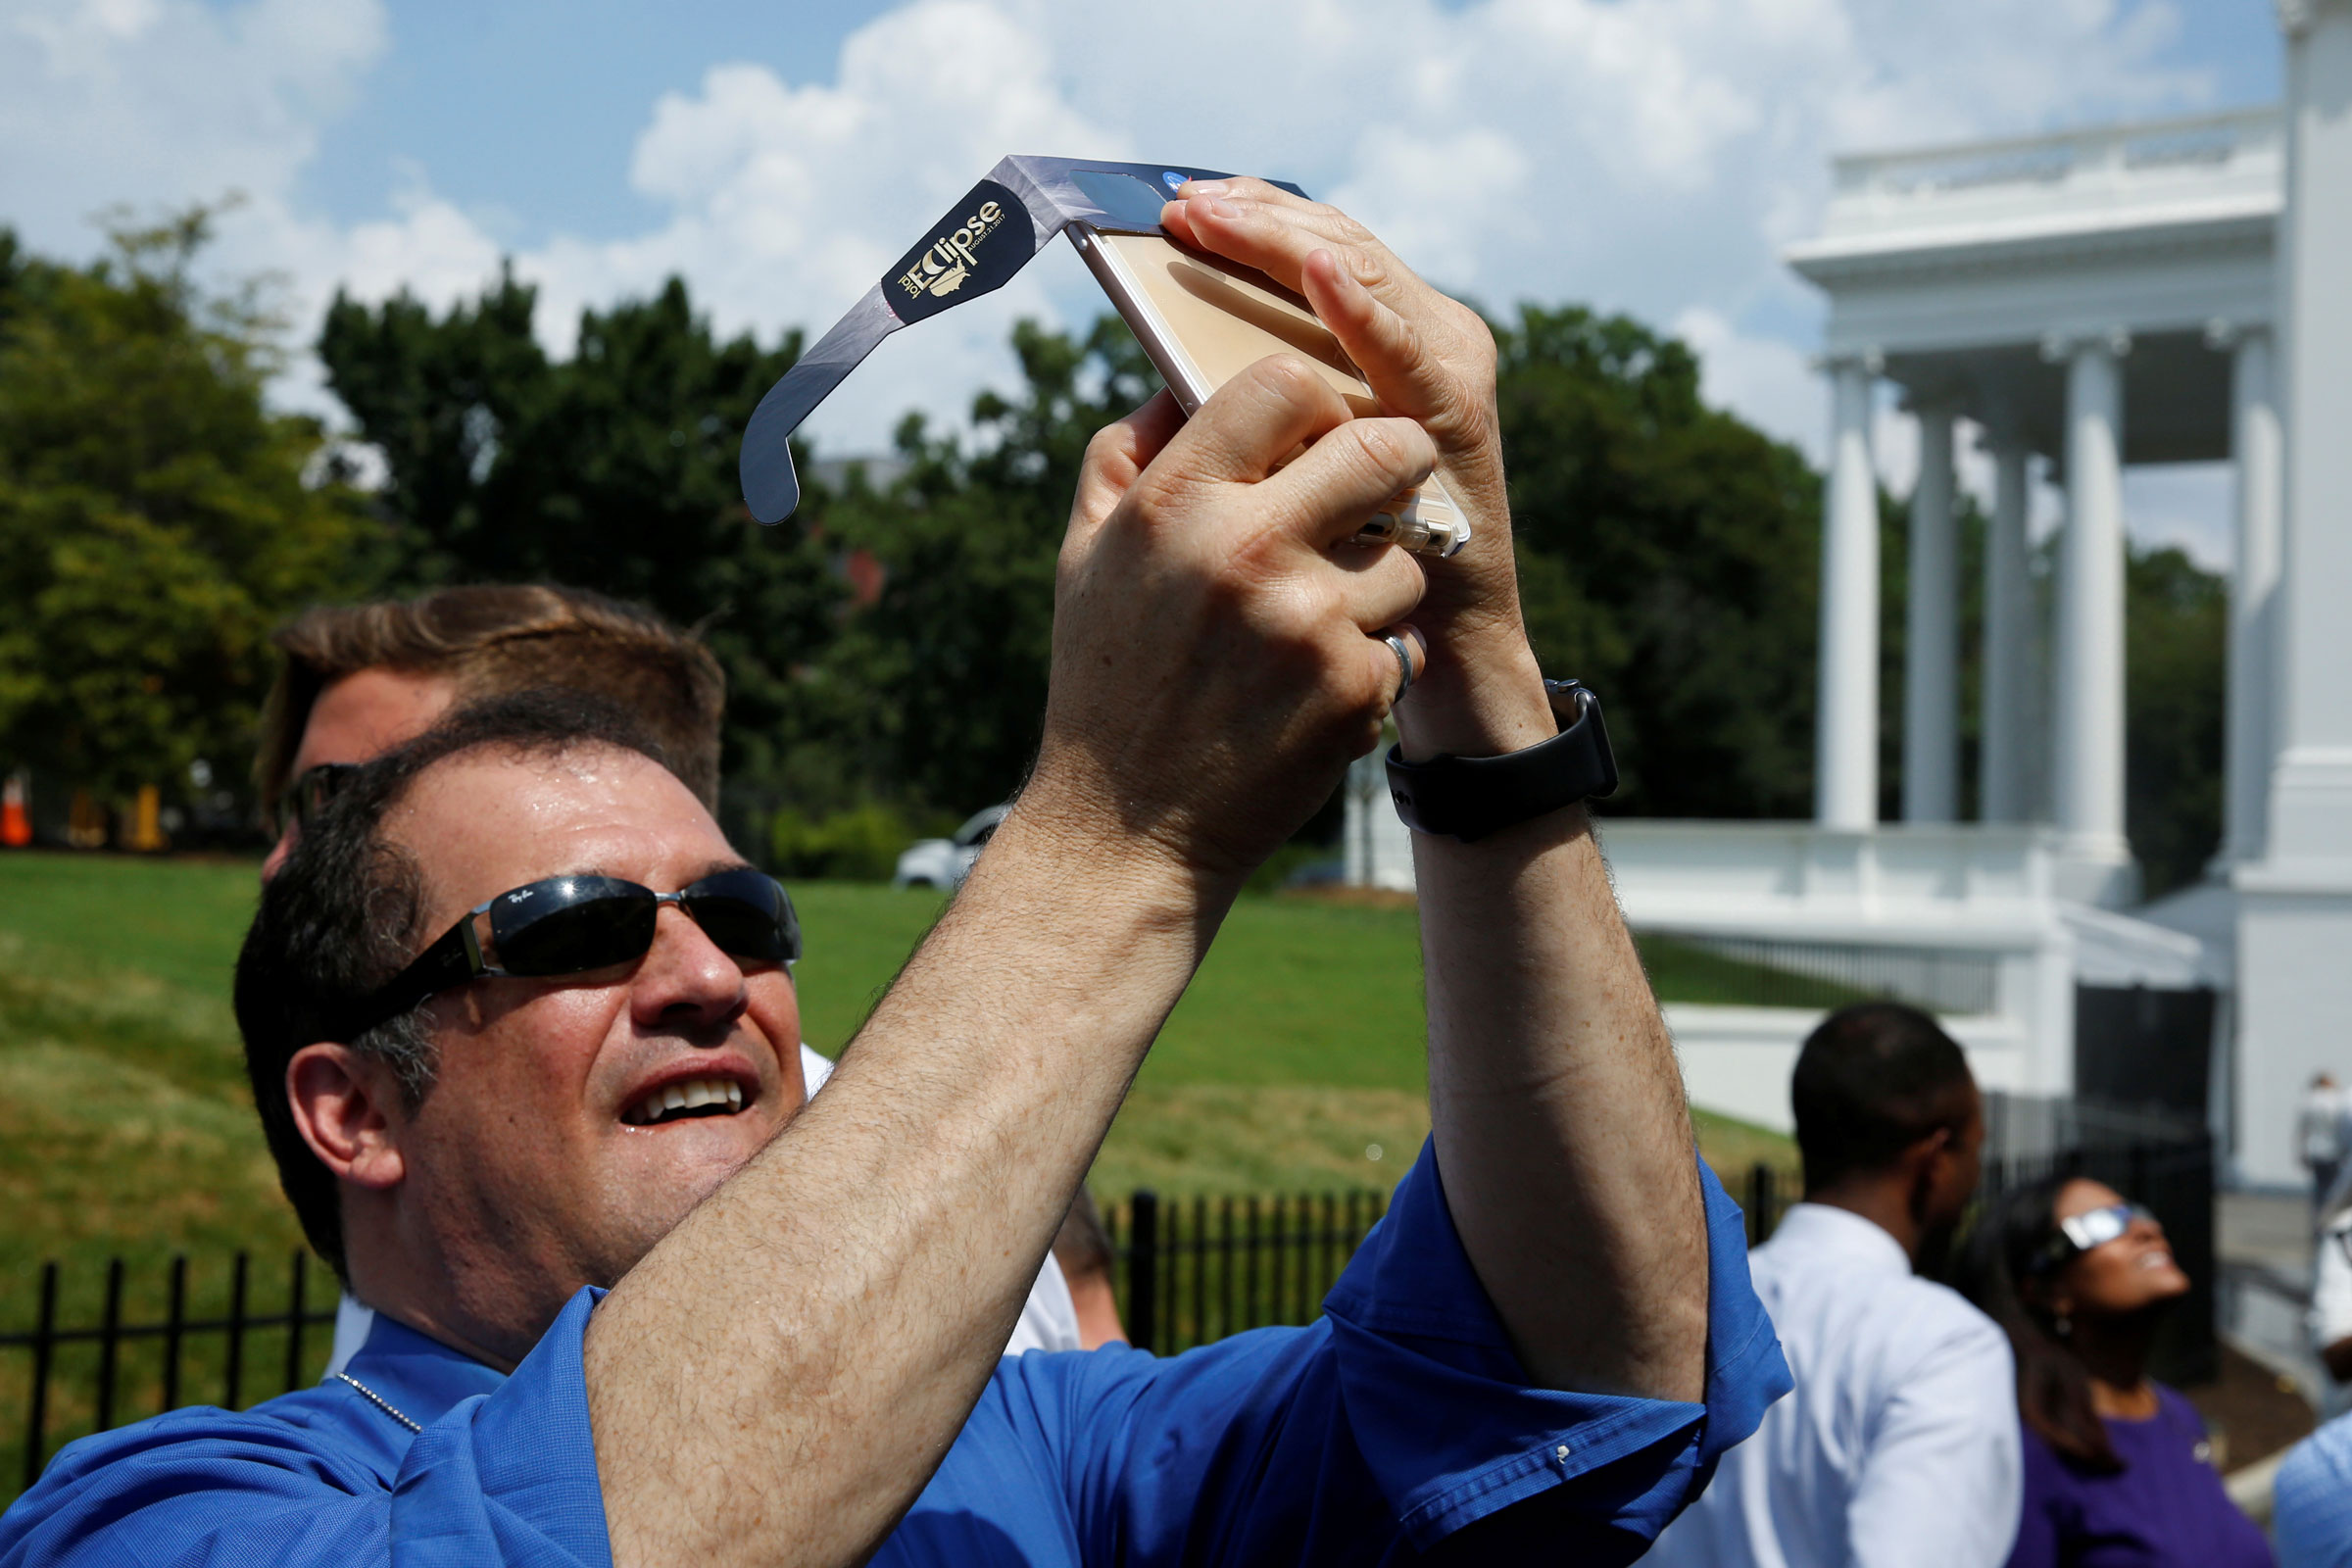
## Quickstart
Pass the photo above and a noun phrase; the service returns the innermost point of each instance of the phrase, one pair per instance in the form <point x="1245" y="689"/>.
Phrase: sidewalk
<point x="2263" y="1241"/>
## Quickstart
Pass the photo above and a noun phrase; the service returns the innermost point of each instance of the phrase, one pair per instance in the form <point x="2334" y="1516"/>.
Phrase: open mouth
<point x="685" y="1100"/>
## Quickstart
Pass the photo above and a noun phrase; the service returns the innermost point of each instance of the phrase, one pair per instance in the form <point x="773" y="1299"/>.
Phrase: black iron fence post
<point x="174" y="1317"/>
<point x="45" y="1344"/>
<point x="110" y="1330"/>
<point x="1143" y="1270"/>
<point x="294" y="1321"/>
<point x="1759" y="1204"/>
<point x="236" y="1332"/>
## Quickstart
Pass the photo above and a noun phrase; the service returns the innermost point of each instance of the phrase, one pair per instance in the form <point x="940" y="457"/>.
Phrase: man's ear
<point x="343" y="1105"/>
<point x="1925" y="1161"/>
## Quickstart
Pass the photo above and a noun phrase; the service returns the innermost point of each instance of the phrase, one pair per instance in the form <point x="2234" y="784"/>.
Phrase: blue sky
<point x="1652" y="156"/>
<point x="524" y="112"/>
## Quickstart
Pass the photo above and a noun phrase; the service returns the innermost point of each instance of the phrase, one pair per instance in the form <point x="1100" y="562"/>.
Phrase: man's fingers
<point x="1118" y="454"/>
<point x="1400" y="653"/>
<point x="1254" y="421"/>
<point x="1391" y="351"/>
<point x="1351" y="473"/>
<point x="1379" y="585"/>
<point x="1277" y="240"/>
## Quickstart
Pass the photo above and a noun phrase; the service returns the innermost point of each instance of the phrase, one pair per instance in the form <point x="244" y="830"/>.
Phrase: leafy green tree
<point x="155" y="516"/>
<point x="1668" y="555"/>
<point x="614" y="470"/>
<point x="952" y="659"/>
<point x="2176" y="626"/>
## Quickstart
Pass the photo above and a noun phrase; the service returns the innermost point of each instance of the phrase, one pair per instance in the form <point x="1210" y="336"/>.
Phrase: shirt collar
<point x="1825" y="1230"/>
<point x="415" y="1375"/>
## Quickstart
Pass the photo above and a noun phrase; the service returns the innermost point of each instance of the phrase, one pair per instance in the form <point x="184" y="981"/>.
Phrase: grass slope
<point x="125" y="1126"/>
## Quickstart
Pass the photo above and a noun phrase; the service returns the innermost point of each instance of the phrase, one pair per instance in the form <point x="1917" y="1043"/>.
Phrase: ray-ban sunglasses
<point x="570" y="925"/>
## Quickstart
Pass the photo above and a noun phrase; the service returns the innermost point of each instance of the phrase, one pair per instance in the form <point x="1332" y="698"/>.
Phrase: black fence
<point x="1192" y="1272"/>
<point x="1187" y="1272"/>
<point x="96" y="1375"/>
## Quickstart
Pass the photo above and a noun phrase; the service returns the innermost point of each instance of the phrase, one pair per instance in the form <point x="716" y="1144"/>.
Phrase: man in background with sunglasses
<point x="359" y="679"/>
<point x="1536" y="1357"/>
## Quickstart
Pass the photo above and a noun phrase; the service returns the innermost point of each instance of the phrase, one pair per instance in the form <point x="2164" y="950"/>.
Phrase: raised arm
<point x="781" y="1375"/>
<point x="1557" y="1106"/>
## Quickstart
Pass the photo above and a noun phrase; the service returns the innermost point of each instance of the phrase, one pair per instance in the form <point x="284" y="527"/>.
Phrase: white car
<point x="946" y="862"/>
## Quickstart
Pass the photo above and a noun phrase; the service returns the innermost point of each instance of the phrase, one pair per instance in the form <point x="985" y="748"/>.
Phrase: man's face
<point x="528" y="1170"/>
<point x="355" y="718"/>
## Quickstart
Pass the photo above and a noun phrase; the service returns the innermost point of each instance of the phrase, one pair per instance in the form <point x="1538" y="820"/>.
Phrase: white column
<point x="2088" y="739"/>
<point x="2006" y="699"/>
<point x="1931" y="645"/>
<point x="1845" y="740"/>
<point x="2254" y="442"/>
<point x="2295" y="906"/>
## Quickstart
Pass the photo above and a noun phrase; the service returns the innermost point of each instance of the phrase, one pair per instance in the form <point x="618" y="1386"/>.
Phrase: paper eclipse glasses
<point x="983" y="241"/>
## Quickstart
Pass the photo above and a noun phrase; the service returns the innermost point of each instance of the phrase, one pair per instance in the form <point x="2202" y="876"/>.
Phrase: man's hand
<point x="1431" y="360"/>
<point x="1214" y="667"/>
<point x="1553" y="1093"/>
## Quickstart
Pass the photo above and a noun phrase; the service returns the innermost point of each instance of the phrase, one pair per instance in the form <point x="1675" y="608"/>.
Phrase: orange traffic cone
<point x="15" y="822"/>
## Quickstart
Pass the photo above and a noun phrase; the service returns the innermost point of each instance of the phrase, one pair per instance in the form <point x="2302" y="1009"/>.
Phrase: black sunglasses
<point x="306" y="797"/>
<point x="572" y="924"/>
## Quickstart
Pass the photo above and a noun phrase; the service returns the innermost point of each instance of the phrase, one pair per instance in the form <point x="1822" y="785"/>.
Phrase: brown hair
<point x="495" y="639"/>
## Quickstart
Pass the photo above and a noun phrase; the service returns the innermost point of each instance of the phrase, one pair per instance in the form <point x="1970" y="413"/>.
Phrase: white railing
<point x="2236" y="156"/>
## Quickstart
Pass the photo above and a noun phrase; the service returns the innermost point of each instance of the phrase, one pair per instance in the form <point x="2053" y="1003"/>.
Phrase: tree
<point x="2176" y="626"/>
<point x="155" y="516"/>
<point x="1668" y="555"/>
<point x="613" y="470"/>
<point x="952" y="659"/>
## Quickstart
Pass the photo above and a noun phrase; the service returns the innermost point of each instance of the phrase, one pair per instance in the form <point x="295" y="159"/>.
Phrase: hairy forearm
<point x="778" y="1378"/>
<point x="1554" y="1096"/>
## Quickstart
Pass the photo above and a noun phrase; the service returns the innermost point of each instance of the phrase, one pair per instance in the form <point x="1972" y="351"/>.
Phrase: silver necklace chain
<point x="379" y="1401"/>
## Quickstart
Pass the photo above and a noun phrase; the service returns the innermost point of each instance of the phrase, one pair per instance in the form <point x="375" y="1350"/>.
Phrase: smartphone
<point x="1202" y="319"/>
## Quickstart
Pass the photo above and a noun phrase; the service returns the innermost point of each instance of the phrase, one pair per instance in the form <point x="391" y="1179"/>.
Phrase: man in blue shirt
<point x="521" y="1030"/>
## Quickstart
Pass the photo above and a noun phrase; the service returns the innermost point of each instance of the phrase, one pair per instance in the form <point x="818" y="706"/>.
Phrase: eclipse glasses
<point x="1198" y="317"/>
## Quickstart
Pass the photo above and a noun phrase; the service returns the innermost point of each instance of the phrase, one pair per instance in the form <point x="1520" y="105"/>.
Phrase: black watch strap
<point x="1469" y="798"/>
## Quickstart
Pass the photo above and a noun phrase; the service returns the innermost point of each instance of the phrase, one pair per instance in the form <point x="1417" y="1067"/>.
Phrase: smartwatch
<point x="1469" y="797"/>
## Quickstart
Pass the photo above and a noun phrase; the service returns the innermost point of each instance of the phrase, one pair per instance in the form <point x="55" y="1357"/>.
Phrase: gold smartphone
<point x="1202" y="319"/>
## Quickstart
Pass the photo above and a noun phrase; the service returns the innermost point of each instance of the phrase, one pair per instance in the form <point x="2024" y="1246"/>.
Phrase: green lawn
<point x="125" y="1125"/>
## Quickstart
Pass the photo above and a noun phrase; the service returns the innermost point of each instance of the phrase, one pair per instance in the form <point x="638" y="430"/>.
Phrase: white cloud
<point x="1643" y="155"/>
<point x="166" y="102"/>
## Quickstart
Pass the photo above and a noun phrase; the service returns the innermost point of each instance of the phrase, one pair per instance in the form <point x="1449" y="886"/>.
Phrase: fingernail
<point x="1221" y="209"/>
<point x="1204" y="187"/>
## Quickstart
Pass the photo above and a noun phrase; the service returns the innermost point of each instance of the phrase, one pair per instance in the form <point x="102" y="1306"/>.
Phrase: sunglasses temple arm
<point x="771" y="488"/>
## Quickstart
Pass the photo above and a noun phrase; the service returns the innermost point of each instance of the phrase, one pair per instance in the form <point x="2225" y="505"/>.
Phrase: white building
<point x="2153" y="293"/>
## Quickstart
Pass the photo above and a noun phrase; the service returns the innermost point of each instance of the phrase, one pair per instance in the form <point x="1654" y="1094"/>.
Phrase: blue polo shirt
<point x="1398" y="1425"/>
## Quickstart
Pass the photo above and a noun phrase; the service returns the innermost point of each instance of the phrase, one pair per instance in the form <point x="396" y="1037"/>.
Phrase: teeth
<point x="692" y="1094"/>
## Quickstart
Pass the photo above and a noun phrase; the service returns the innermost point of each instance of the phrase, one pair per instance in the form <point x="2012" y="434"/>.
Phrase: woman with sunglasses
<point x="2118" y="1470"/>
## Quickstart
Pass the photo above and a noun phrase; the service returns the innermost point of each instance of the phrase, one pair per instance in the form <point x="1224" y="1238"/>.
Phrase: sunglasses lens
<point x="583" y="923"/>
<point x="743" y="913"/>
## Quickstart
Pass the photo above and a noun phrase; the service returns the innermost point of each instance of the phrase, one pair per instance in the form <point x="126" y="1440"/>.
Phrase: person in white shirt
<point x="2321" y="1129"/>
<point x="1900" y="1443"/>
